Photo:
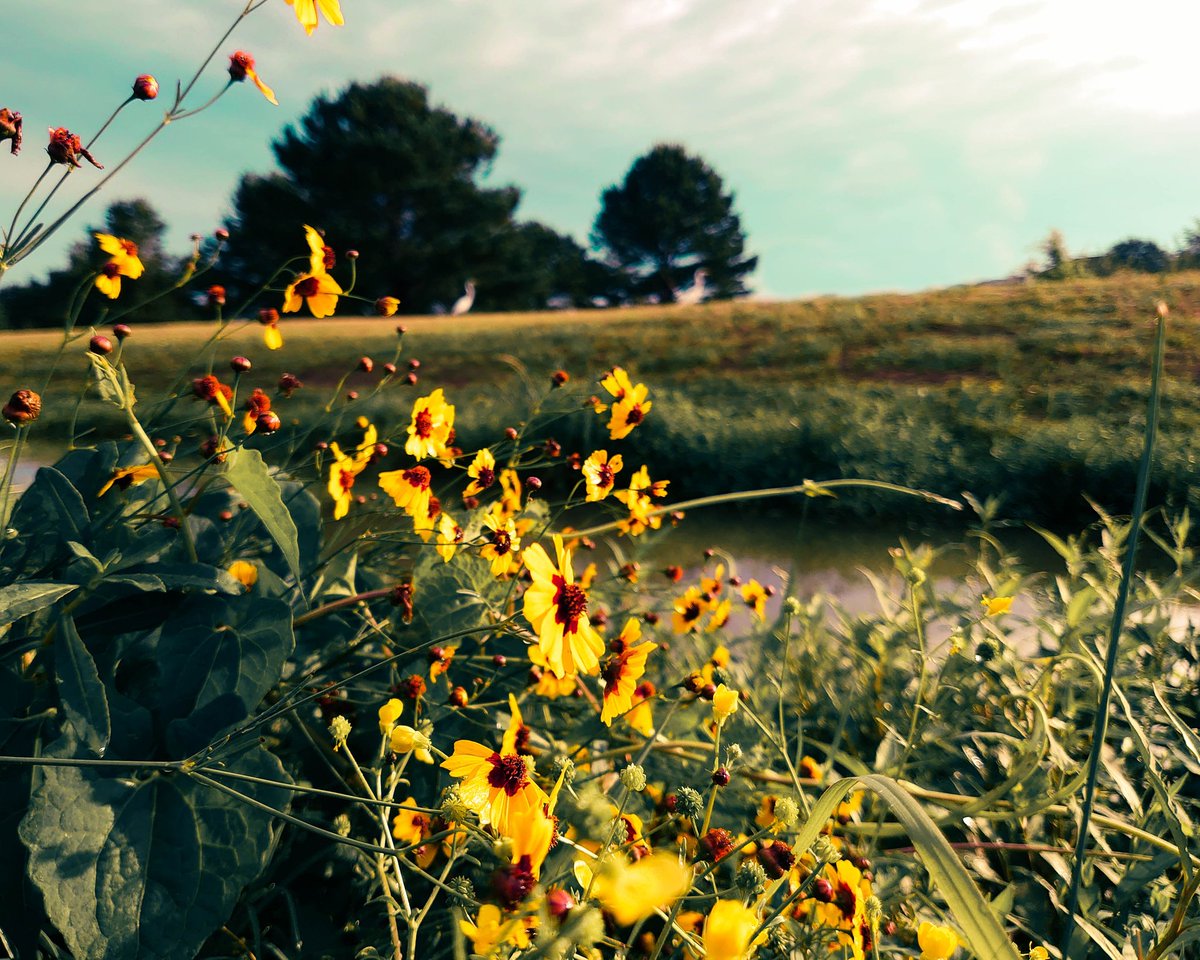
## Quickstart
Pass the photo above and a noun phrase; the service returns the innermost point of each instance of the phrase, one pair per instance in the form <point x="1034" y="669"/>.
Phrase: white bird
<point x="464" y="303"/>
<point x="695" y="293"/>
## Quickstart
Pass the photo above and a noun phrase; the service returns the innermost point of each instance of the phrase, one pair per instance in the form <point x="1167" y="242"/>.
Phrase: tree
<point x="1060" y="265"/>
<point x="668" y="218"/>
<point x="45" y="303"/>
<point x="379" y="169"/>
<point x="1144" y="256"/>
<point x="1188" y="257"/>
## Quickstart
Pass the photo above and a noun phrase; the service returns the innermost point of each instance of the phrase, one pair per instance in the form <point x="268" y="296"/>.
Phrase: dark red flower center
<point x="611" y="673"/>
<point x="570" y="603"/>
<point x="487" y="476"/>
<point x="111" y="269"/>
<point x="423" y="423"/>
<point x="846" y="900"/>
<point x="346" y="479"/>
<point x="501" y="541"/>
<point x="604" y="476"/>
<point x="508" y="774"/>
<point x="692" y="612"/>
<point x="308" y="287"/>
<point x="417" y="477"/>
<point x="635" y="415"/>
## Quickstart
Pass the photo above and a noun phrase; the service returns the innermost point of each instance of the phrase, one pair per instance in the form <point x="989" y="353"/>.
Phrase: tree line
<point x="1134" y="254"/>
<point x="379" y="169"/>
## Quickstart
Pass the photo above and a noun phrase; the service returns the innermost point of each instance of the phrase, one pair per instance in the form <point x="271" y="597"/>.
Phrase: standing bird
<point x="695" y="293"/>
<point x="464" y="303"/>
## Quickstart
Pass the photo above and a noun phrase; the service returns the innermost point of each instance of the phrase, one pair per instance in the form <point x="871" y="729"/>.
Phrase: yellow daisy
<point x="556" y="607"/>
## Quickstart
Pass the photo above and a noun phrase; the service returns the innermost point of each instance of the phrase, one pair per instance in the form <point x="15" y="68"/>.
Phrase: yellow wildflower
<point x="622" y="672"/>
<point x="936" y="942"/>
<point x="450" y="535"/>
<point x="406" y="739"/>
<point x="409" y="490"/>
<point x="727" y="931"/>
<point x="600" y="472"/>
<point x="482" y="472"/>
<point x="724" y="703"/>
<point x="490" y="931"/>
<point x="318" y="291"/>
<point x="306" y="13"/>
<point x="755" y="597"/>
<point x="502" y="546"/>
<point x="688" y="610"/>
<point x="632" y="892"/>
<point x="124" y="263"/>
<point x="556" y="608"/>
<point x="389" y="713"/>
<point x="431" y="428"/>
<point x="345" y="469"/>
<point x="244" y="571"/>
<point x="994" y="606"/>
<point x="125" y="477"/>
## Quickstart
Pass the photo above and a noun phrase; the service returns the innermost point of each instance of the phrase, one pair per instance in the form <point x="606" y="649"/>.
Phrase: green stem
<point x="1100" y="725"/>
<point x="809" y="488"/>
<point x="10" y="469"/>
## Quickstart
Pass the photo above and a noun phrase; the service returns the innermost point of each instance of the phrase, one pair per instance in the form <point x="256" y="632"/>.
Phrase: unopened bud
<point x="533" y="484"/>
<point x="240" y="365"/>
<point x="721" y="777"/>
<point x="268" y="316"/>
<point x="457" y="697"/>
<point x="122" y="330"/>
<point x="100" y="345"/>
<point x="688" y="803"/>
<point x="339" y="729"/>
<point x="145" y="87"/>
<point x="366" y="364"/>
<point x="221" y="234"/>
<point x="560" y="378"/>
<point x="267" y="422"/>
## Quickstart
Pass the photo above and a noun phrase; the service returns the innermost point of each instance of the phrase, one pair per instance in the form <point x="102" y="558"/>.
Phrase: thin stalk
<point x="8" y="237"/>
<point x="10" y="469"/>
<point x="808" y="488"/>
<point x="1100" y="726"/>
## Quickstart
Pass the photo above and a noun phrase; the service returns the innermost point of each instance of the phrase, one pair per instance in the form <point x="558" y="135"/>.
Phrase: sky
<point x="870" y="144"/>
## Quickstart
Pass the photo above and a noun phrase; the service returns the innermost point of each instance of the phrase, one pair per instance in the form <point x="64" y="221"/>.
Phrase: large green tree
<point x="669" y="217"/>
<point x="379" y="169"/>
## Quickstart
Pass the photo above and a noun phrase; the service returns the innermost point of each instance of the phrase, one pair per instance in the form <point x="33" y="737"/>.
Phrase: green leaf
<point x="145" y="870"/>
<point x="248" y="474"/>
<point x="81" y="690"/>
<point x="983" y="932"/>
<point x="21" y="599"/>
<point x="218" y="664"/>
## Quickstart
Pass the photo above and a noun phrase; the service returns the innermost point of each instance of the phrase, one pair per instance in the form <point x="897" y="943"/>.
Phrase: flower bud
<point x="457" y="697"/>
<point x="560" y="378"/>
<point x="122" y="330"/>
<point x="499" y="660"/>
<point x="401" y="329"/>
<point x="414" y="364"/>
<point x="721" y="777"/>
<point x="216" y="295"/>
<point x="533" y="484"/>
<point x="221" y="234"/>
<point x="339" y="729"/>
<point x="267" y="422"/>
<point x="268" y="316"/>
<point x="351" y="254"/>
<point x="166" y="456"/>
<point x="385" y="306"/>
<point x="288" y="383"/>
<point x="823" y="890"/>
<point x="389" y="369"/>
<point x="351" y="395"/>
<point x="559" y="902"/>
<point x="411" y="379"/>
<point x="23" y="407"/>
<point x="145" y="87"/>
<point x="240" y="365"/>
<point x="510" y="433"/>
<point x="100" y="345"/>
<point x="751" y="878"/>
<point x="366" y="364"/>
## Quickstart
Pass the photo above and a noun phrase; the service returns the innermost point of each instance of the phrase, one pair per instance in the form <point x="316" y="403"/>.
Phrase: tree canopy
<point x="379" y="169"/>
<point x="668" y="218"/>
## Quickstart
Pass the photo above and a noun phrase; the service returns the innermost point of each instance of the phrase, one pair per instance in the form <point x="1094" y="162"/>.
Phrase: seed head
<point x="751" y="878"/>
<point x="721" y="777"/>
<point x="633" y="777"/>
<point x="10" y="128"/>
<point x="688" y="803"/>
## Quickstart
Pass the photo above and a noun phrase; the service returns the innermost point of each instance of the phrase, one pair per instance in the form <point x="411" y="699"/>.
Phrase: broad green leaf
<point x="81" y="690"/>
<point x="983" y="932"/>
<point x="21" y="599"/>
<point x="249" y="475"/>
<point x="145" y="870"/>
<point x="218" y="659"/>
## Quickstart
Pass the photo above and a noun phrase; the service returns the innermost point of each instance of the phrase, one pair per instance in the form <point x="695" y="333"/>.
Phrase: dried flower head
<point x="66" y="148"/>
<point x="23" y="407"/>
<point x="10" y="128"/>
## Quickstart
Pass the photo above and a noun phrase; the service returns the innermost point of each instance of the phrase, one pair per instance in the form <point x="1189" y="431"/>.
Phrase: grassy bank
<point x="1033" y="392"/>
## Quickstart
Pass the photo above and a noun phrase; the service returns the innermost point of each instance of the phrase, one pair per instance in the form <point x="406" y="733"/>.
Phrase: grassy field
<point x="1032" y="392"/>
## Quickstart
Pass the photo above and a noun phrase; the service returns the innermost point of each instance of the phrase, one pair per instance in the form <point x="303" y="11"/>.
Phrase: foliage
<point x="230" y="666"/>
<point x="1144" y="256"/>
<point x="669" y="217"/>
<point x="381" y="169"/>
